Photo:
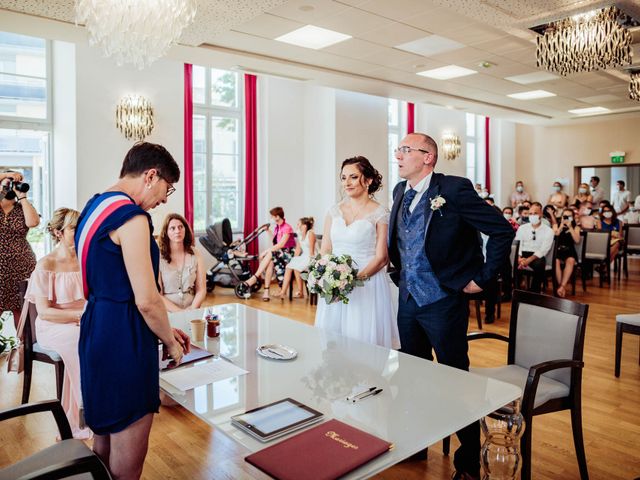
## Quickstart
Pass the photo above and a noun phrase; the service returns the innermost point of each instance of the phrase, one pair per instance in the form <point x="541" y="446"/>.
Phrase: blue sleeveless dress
<point x="118" y="351"/>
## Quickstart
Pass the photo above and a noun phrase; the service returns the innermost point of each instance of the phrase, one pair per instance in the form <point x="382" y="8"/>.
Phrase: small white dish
<point x="276" y="351"/>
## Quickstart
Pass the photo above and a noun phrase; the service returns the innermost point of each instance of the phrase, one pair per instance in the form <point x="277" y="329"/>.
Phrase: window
<point x="475" y="148"/>
<point x="25" y="126"/>
<point x="397" y="128"/>
<point x="218" y="168"/>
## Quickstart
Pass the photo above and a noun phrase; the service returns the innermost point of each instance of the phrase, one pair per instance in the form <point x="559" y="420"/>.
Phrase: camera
<point x="19" y="186"/>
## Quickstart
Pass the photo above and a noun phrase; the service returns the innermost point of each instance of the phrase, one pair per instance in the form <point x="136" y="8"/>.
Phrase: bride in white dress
<point x="357" y="226"/>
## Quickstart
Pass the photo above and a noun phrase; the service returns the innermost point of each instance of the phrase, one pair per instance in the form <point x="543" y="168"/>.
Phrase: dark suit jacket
<point x="451" y="240"/>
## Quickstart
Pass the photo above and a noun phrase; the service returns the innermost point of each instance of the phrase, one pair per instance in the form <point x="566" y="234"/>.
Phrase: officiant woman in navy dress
<point x="125" y="315"/>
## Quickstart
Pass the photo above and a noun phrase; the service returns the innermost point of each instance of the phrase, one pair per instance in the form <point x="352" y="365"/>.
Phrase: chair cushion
<point x="631" y="319"/>
<point x="61" y="452"/>
<point x="548" y="389"/>
<point x="50" y="353"/>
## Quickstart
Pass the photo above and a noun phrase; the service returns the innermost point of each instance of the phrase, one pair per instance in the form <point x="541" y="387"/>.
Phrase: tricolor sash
<point x="94" y="218"/>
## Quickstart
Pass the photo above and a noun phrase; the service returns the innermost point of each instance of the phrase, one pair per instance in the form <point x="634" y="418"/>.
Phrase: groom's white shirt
<point x="420" y="188"/>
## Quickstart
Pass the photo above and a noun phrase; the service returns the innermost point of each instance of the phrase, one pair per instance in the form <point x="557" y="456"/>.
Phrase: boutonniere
<point x="437" y="203"/>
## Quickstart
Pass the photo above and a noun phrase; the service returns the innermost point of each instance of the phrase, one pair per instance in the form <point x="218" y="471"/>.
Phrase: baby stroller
<point x="233" y="262"/>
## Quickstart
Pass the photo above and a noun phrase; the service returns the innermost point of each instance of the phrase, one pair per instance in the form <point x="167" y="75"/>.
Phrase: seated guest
<point x="586" y="220"/>
<point x="601" y="205"/>
<point x="275" y="258"/>
<point x="609" y="222"/>
<point x="568" y="236"/>
<point x="536" y="239"/>
<point x="523" y="214"/>
<point x="583" y="194"/>
<point x="519" y="196"/>
<point x="489" y="199"/>
<point x="507" y="212"/>
<point x="549" y="215"/>
<point x="55" y="287"/>
<point x="558" y="198"/>
<point x="183" y="279"/>
<point x="305" y="249"/>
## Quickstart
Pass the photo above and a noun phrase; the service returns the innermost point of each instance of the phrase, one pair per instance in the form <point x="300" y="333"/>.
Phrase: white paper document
<point x="203" y="374"/>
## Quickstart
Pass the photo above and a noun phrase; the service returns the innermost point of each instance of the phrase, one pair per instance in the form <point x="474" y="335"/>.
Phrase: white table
<point x="422" y="402"/>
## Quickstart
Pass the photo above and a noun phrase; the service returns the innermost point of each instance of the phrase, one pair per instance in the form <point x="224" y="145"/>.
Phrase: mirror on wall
<point x="609" y="176"/>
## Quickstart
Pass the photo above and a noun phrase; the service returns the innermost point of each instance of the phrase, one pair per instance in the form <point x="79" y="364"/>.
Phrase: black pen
<point x="353" y="398"/>
<point x="370" y="394"/>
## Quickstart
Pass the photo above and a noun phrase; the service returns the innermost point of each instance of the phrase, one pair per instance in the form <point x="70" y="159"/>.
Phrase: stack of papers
<point x="204" y="374"/>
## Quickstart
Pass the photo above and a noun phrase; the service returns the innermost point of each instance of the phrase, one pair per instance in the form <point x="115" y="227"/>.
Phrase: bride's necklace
<point x="358" y="212"/>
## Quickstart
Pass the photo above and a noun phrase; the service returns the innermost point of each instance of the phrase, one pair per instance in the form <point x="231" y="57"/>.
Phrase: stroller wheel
<point x="256" y="286"/>
<point x="242" y="291"/>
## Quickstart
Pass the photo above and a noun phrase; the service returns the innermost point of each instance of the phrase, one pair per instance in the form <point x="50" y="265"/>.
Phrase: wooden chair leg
<point x="59" y="379"/>
<point x="578" y="441"/>
<point x="525" y="451"/>
<point x="26" y="381"/>
<point x="618" y="348"/>
<point x="446" y="446"/>
<point x="478" y="314"/>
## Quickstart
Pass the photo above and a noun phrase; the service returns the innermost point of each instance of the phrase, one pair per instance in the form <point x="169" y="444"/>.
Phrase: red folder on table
<point x="324" y="452"/>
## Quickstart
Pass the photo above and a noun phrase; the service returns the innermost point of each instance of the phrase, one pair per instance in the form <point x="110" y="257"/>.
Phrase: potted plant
<point x="6" y="342"/>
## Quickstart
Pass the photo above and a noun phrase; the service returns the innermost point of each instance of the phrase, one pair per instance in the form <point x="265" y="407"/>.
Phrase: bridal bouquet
<point x="333" y="277"/>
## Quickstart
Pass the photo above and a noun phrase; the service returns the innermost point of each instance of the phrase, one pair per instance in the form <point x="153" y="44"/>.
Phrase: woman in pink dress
<point x="55" y="287"/>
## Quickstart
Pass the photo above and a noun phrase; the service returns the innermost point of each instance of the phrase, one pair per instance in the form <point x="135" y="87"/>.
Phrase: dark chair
<point x="64" y="459"/>
<point x="631" y="244"/>
<point x="546" y="343"/>
<point x="33" y="352"/>
<point x="597" y="250"/>
<point x="625" y="324"/>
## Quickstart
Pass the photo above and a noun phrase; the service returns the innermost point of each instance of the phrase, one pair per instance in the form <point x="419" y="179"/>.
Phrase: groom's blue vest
<point x="416" y="276"/>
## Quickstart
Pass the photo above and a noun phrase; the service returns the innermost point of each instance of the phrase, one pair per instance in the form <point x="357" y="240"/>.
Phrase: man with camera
<point x="17" y="259"/>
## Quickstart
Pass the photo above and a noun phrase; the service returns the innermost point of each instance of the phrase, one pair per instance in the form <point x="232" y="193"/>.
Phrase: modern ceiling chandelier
<point x="582" y="43"/>
<point x="634" y="86"/>
<point x="135" y="31"/>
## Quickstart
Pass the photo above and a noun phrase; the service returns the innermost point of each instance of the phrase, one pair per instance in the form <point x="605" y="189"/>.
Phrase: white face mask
<point x="556" y="188"/>
<point x="582" y="190"/>
<point x="508" y="216"/>
<point x="520" y="188"/>
<point x="587" y="211"/>
<point x="607" y="214"/>
<point x="484" y="194"/>
<point x="534" y="219"/>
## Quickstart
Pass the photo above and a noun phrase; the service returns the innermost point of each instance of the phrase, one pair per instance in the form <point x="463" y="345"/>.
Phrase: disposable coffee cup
<point x="197" y="330"/>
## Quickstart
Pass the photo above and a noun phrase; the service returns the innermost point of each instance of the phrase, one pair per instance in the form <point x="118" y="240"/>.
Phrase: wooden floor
<point x="182" y="446"/>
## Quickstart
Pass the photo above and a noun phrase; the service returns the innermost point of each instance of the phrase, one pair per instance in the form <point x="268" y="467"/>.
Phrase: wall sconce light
<point x="450" y="146"/>
<point x="134" y="117"/>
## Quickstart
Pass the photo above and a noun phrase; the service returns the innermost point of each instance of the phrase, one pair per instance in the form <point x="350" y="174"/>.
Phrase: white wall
<point x="101" y="147"/>
<point x="502" y="155"/>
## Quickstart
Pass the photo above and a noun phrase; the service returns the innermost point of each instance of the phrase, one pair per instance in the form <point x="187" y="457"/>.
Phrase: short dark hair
<point x="621" y="182"/>
<point x="367" y="170"/>
<point x="277" y="212"/>
<point x="522" y="208"/>
<point x="508" y="208"/>
<point x="308" y="222"/>
<point x="596" y="178"/>
<point x="536" y="204"/>
<point x="144" y="156"/>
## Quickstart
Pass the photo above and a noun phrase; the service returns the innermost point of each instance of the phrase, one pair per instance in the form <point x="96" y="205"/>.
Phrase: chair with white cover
<point x="625" y="324"/>
<point x="546" y="343"/>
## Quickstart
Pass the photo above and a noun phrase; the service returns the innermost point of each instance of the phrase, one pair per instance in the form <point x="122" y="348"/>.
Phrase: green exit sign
<point x="617" y="157"/>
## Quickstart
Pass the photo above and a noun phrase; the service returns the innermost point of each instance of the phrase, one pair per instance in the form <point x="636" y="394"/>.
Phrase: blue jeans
<point x="442" y="327"/>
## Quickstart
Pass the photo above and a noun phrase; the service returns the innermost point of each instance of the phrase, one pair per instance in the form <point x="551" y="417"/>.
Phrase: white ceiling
<point x="495" y="31"/>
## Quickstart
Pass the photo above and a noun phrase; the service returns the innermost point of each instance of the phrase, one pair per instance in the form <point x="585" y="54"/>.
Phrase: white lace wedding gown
<point x="370" y="315"/>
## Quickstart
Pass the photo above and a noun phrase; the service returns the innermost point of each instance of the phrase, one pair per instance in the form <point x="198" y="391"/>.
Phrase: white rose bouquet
<point x="333" y="277"/>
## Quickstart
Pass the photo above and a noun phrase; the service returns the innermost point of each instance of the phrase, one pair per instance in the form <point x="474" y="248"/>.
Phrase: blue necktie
<point x="406" y="203"/>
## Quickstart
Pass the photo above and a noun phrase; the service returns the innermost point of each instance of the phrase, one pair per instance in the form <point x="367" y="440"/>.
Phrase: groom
<point x="435" y="245"/>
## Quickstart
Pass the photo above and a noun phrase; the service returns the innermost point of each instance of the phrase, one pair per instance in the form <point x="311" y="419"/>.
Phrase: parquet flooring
<point x="183" y="447"/>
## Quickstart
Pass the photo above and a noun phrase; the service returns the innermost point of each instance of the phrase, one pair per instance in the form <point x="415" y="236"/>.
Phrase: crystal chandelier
<point x="592" y="41"/>
<point x="134" y="117"/>
<point x="135" y="31"/>
<point x="634" y="86"/>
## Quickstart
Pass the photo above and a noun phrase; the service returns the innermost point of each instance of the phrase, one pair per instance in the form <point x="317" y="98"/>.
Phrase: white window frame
<point x="475" y="147"/>
<point x="400" y="130"/>
<point x="209" y="111"/>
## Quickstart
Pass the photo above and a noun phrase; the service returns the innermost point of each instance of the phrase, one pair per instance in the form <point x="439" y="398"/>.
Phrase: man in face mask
<point x="597" y="193"/>
<point x="523" y="214"/>
<point x="621" y="200"/>
<point x="586" y="219"/>
<point x="536" y="240"/>
<point x="519" y="196"/>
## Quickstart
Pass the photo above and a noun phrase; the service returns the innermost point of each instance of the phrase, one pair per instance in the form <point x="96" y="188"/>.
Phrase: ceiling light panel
<point x="531" y="95"/>
<point x="534" y="77"/>
<point x="589" y="111"/>
<point x="431" y="45"/>
<point x="313" y="37"/>
<point x="446" y="73"/>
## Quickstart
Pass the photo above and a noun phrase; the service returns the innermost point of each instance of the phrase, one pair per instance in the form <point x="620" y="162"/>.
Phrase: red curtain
<point x="487" y="164"/>
<point x="251" y="162"/>
<point x="411" y="118"/>
<point x="188" y="143"/>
